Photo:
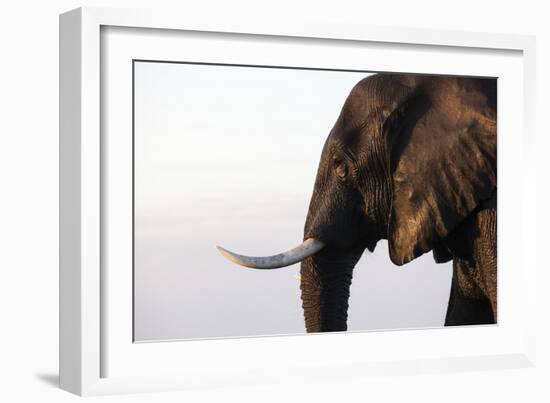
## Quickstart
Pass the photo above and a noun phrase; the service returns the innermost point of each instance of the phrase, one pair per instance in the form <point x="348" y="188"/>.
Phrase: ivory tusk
<point x="308" y="248"/>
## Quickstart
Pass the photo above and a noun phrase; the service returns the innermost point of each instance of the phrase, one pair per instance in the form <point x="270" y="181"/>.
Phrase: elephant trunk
<point x="325" y="285"/>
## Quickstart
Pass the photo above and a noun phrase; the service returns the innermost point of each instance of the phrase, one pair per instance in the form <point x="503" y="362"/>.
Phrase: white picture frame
<point x="88" y="350"/>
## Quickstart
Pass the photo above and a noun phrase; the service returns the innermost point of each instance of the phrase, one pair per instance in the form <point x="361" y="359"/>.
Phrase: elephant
<point x="410" y="159"/>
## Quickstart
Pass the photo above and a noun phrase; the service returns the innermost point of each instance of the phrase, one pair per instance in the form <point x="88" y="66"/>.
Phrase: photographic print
<point x="271" y="200"/>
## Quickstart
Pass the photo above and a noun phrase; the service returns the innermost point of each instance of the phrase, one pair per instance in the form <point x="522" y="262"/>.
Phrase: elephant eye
<point x="342" y="170"/>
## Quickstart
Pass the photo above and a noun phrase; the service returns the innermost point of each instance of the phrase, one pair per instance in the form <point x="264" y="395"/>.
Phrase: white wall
<point x="28" y="207"/>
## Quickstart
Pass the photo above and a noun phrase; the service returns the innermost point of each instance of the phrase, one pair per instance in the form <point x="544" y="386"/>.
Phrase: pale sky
<point x="228" y="155"/>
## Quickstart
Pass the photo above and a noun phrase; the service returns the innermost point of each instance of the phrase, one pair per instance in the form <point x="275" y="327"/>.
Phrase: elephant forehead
<point x="369" y="100"/>
<point x="345" y="138"/>
<point x="381" y="89"/>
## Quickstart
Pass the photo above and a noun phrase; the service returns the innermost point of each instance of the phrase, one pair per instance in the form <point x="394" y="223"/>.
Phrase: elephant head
<point x="408" y="158"/>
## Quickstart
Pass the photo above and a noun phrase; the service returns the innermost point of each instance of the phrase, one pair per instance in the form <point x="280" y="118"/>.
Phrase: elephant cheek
<point x="325" y="290"/>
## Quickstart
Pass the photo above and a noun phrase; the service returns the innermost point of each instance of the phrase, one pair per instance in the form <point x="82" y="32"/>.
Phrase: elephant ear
<point x="443" y="156"/>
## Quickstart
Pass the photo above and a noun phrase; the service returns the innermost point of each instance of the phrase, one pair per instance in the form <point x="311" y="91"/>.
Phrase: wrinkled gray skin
<point x="411" y="159"/>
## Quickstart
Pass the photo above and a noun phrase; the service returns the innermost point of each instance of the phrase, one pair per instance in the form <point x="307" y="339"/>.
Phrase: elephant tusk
<point x="308" y="248"/>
